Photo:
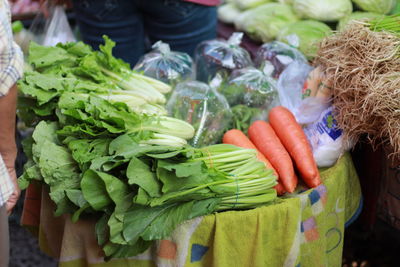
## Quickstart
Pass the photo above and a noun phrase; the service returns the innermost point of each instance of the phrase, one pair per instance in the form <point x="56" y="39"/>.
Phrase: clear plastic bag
<point x="279" y="54"/>
<point x="250" y="93"/>
<point x="292" y="84"/>
<point x="257" y="89"/>
<point x="165" y="65"/>
<point x="204" y="108"/>
<point x="220" y="56"/>
<point x="51" y="27"/>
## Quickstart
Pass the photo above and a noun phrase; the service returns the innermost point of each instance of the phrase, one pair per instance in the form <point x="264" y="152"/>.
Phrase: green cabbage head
<point x="264" y="22"/>
<point x="376" y="6"/>
<point x="323" y="10"/>
<point x="309" y="33"/>
<point x="247" y="4"/>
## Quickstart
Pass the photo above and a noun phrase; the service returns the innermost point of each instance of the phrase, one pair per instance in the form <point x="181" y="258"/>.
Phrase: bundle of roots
<point x="364" y="70"/>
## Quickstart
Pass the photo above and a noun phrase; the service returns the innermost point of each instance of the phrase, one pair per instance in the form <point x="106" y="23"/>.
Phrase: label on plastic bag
<point x="329" y="126"/>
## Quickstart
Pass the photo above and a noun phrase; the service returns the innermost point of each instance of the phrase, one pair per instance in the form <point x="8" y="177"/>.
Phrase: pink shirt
<point x="205" y="2"/>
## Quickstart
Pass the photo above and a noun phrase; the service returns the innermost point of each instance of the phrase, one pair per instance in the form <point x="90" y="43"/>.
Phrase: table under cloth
<point x="304" y="229"/>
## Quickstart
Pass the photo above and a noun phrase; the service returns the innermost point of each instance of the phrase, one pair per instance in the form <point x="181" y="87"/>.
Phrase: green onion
<point x="388" y="23"/>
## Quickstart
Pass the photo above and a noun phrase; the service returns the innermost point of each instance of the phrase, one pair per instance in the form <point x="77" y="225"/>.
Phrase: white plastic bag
<point x="326" y="139"/>
<point x="290" y="84"/>
<point x="52" y="27"/>
<point x="290" y="90"/>
<point x="58" y="29"/>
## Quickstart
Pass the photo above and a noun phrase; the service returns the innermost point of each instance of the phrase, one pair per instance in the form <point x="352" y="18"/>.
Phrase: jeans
<point x="135" y="24"/>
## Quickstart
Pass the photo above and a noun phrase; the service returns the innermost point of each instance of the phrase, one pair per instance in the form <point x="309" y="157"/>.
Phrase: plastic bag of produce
<point x="250" y="93"/>
<point x="228" y="13"/>
<point x="326" y="139"/>
<point x="220" y="56"/>
<point x="51" y="27"/>
<point x="58" y="29"/>
<point x="324" y="10"/>
<point x="165" y="65"/>
<point x="376" y="6"/>
<point x="309" y="33"/>
<point x="279" y="54"/>
<point x="290" y="84"/>
<point x="357" y="16"/>
<point x="251" y="87"/>
<point x="202" y="106"/>
<point x="263" y="23"/>
<point x="290" y="90"/>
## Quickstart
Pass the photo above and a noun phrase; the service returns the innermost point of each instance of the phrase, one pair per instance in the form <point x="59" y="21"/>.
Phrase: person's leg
<point x="183" y="25"/>
<point x="118" y="19"/>
<point x="4" y="237"/>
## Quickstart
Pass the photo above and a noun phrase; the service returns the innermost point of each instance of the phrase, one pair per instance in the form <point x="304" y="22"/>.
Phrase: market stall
<point x="233" y="157"/>
<point x="307" y="229"/>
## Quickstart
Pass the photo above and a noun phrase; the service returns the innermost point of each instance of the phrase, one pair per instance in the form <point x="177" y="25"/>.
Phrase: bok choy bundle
<point x="103" y="155"/>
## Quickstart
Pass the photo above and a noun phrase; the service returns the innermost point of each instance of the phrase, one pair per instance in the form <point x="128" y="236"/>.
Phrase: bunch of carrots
<point x="282" y="145"/>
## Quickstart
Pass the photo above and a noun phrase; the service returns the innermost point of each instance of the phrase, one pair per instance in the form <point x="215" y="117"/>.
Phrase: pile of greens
<point x="131" y="170"/>
<point x="75" y="67"/>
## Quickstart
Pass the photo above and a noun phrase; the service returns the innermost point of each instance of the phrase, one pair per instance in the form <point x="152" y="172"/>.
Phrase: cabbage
<point x="228" y="13"/>
<point x="247" y="4"/>
<point x="309" y="33"/>
<point x="358" y="16"/>
<point x="396" y="9"/>
<point x="286" y="1"/>
<point x="264" y="22"/>
<point x="376" y="6"/>
<point x="324" y="10"/>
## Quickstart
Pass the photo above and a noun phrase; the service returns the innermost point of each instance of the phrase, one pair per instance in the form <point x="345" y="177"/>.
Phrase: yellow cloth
<point x="305" y="229"/>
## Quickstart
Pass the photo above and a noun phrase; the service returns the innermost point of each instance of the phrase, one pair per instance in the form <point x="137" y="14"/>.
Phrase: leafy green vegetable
<point x="309" y="32"/>
<point x="323" y="10"/>
<point x="140" y="173"/>
<point x="132" y="171"/>
<point x="376" y="6"/>
<point x="264" y="22"/>
<point x="243" y="116"/>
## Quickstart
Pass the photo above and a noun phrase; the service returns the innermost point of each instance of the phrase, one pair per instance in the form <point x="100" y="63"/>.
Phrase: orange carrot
<point x="280" y="190"/>
<point x="238" y="138"/>
<point x="264" y="138"/>
<point x="295" y="141"/>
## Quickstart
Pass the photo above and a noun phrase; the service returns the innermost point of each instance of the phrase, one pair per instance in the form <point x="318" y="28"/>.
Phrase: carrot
<point x="264" y="138"/>
<point x="238" y="138"/>
<point x="280" y="190"/>
<point x="295" y="141"/>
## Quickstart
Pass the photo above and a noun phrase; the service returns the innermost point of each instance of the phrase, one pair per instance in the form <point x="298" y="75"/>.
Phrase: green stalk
<point x="230" y="154"/>
<point x="165" y="140"/>
<point x="139" y="86"/>
<point x="249" y="167"/>
<point x="224" y="160"/>
<point x="165" y="125"/>
<point x="160" y="86"/>
<point x="389" y="23"/>
<point x="166" y="197"/>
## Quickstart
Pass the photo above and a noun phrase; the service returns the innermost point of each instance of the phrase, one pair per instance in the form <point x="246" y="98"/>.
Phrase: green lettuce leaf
<point x="140" y="173"/>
